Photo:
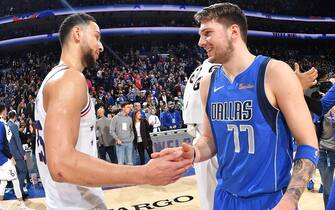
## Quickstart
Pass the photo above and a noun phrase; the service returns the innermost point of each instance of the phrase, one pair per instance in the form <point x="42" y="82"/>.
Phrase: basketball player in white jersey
<point x="66" y="147"/>
<point x="192" y="115"/>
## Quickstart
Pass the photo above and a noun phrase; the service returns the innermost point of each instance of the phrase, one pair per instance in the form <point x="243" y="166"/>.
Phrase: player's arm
<point x="64" y="99"/>
<point x="285" y="92"/>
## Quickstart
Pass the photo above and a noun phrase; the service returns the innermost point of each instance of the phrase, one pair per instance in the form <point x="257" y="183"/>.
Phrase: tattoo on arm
<point x="302" y="172"/>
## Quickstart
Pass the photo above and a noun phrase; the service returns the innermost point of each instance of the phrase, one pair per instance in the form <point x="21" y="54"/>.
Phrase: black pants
<point x="111" y="153"/>
<point x="22" y="171"/>
<point x="141" y="150"/>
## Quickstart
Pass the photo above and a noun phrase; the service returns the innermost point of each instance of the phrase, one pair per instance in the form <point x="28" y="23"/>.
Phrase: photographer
<point x="320" y="99"/>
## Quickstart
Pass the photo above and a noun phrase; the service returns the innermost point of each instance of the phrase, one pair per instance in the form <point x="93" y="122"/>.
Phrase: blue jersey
<point x="253" y="142"/>
<point x="3" y="140"/>
<point x="328" y="100"/>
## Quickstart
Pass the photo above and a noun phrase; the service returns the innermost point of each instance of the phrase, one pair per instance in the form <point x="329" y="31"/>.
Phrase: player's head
<point x="81" y="29"/>
<point x="221" y="25"/>
<point x="12" y="115"/>
<point x="3" y="111"/>
<point x="125" y="107"/>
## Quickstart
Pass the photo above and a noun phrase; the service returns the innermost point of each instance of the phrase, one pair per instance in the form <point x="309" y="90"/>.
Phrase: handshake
<point x="168" y="165"/>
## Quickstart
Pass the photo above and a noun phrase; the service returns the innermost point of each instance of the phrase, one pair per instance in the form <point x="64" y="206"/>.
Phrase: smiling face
<point x="216" y="40"/>
<point x="223" y="29"/>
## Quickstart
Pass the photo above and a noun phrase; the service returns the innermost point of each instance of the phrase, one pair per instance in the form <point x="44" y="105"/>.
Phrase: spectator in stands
<point x="138" y="107"/>
<point x="172" y="118"/>
<point x="30" y="107"/>
<point x="163" y="110"/>
<point x="106" y="143"/>
<point x="22" y="108"/>
<point x="154" y="121"/>
<point x="121" y="130"/>
<point x="164" y="97"/>
<point x="146" y="111"/>
<point x="30" y="133"/>
<point x="121" y="98"/>
<point x="16" y="149"/>
<point x="142" y="140"/>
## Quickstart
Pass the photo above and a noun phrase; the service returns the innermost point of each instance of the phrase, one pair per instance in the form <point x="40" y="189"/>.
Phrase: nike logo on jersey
<point x="217" y="89"/>
<point x="241" y="86"/>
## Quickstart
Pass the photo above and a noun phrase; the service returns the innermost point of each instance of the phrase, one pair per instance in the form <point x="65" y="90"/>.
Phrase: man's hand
<point x="308" y="78"/>
<point x="165" y="169"/>
<point x="187" y="152"/>
<point x="119" y="142"/>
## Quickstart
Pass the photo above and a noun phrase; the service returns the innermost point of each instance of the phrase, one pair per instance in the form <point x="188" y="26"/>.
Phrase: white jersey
<point x="192" y="110"/>
<point x="64" y="195"/>
<point x="192" y="115"/>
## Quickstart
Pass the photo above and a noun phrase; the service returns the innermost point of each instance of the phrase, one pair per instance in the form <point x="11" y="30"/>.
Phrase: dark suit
<point x="146" y="143"/>
<point x="16" y="149"/>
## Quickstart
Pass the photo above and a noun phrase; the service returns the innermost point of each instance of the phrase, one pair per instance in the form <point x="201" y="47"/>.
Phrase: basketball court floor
<point x="181" y="195"/>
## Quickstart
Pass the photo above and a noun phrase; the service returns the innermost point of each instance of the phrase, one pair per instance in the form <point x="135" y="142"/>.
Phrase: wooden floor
<point x="181" y="195"/>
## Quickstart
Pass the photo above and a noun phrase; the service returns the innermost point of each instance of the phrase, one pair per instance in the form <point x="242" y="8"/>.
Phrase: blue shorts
<point x="226" y="201"/>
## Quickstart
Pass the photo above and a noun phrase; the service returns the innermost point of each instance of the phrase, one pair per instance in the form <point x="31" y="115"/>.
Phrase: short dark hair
<point x="11" y="114"/>
<point x="231" y="13"/>
<point x="71" y="21"/>
<point x="2" y="107"/>
<point x="124" y="104"/>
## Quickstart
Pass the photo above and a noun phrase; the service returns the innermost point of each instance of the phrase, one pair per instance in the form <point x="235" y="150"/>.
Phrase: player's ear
<point x="76" y="33"/>
<point x="234" y="30"/>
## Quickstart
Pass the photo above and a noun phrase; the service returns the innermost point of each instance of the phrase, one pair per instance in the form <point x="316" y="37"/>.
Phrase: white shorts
<point x="8" y="171"/>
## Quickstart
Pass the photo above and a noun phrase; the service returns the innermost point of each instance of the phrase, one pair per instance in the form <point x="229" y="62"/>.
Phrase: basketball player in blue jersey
<point x="66" y="147"/>
<point x="252" y="104"/>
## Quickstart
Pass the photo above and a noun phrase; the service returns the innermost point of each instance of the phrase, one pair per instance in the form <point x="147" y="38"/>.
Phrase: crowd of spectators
<point x="140" y="74"/>
<point x="152" y="79"/>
